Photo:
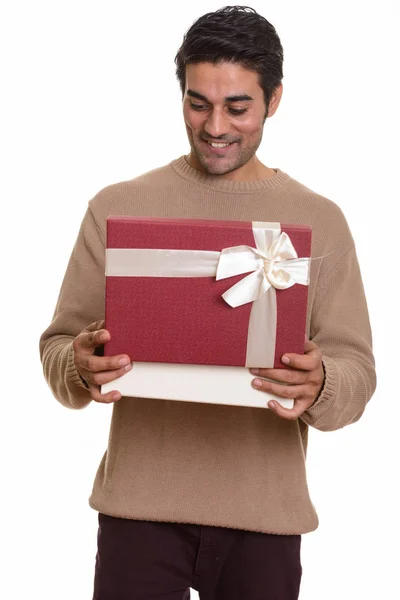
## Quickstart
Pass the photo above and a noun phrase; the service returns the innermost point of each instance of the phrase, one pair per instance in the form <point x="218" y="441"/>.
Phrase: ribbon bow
<point x="275" y="265"/>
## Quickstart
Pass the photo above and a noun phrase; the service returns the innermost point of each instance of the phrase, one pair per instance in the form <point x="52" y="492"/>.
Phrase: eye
<point x="197" y="106"/>
<point x="237" y="111"/>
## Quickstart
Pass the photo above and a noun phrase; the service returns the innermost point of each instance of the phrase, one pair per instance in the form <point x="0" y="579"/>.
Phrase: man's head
<point x="230" y="71"/>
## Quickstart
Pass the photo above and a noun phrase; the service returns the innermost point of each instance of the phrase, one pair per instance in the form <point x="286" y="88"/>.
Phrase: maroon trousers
<point x="147" y="560"/>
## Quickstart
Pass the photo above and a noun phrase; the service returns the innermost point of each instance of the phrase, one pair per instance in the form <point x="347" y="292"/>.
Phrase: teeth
<point x="214" y="145"/>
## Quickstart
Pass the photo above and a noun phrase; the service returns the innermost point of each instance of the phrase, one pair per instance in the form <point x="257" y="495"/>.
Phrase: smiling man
<point x="202" y="495"/>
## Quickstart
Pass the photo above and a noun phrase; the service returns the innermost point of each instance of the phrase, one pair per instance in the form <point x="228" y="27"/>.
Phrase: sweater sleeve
<point x="341" y="328"/>
<point x="80" y="306"/>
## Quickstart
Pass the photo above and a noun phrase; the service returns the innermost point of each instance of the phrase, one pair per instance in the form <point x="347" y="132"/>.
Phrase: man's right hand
<point x="96" y="370"/>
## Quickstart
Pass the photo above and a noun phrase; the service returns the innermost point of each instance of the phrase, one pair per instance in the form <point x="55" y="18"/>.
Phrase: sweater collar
<point x="215" y="182"/>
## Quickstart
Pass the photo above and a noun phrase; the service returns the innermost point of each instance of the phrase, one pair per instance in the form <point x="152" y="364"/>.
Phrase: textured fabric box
<point x="166" y="305"/>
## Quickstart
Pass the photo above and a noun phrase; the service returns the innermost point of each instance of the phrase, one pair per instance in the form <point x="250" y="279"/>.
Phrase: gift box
<point x="196" y="303"/>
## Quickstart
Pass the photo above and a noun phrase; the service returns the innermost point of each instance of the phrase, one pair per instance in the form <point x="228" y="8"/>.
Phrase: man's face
<point x="224" y="111"/>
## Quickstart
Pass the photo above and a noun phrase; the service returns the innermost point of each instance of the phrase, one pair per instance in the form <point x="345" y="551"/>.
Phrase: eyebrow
<point x="236" y="98"/>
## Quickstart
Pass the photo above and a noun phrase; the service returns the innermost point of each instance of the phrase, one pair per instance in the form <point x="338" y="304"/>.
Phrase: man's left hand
<point x="305" y="376"/>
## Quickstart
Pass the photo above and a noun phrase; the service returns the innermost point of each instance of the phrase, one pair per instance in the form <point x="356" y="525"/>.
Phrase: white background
<point x="89" y="98"/>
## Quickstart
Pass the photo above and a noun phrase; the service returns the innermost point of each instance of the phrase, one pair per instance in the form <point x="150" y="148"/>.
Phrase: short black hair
<point x="235" y="34"/>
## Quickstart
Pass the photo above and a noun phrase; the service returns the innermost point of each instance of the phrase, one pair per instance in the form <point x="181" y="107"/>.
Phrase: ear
<point x="275" y="99"/>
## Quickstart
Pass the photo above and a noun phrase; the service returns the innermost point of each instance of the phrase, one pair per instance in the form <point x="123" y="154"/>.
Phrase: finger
<point x="93" y="339"/>
<point x="97" y="396"/>
<point x="309" y="345"/>
<point x="105" y="376"/>
<point x="95" y="364"/>
<point x="278" y="389"/>
<point x="292" y="376"/>
<point x="304" y="362"/>
<point x="291" y="414"/>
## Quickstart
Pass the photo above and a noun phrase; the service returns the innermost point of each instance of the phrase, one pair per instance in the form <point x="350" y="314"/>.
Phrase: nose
<point x="216" y="124"/>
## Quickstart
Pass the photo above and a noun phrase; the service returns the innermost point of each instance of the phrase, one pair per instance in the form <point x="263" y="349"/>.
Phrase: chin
<point x="221" y="168"/>
<point x="218" y="170"/>
<point x="214" y="167"/>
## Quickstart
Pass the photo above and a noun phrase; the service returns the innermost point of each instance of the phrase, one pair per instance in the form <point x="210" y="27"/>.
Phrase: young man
<point x="202" y="495"/>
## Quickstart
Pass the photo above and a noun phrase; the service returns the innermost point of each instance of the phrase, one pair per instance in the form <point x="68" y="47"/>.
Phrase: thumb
<point x="94" y="335"/>
<point x="309" y="346"/>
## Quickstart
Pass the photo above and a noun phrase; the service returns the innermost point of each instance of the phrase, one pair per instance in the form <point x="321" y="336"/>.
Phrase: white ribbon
<point x="272" y="264"/>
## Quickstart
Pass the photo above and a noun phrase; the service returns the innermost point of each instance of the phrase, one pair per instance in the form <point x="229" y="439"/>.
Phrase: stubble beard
<point x="220" y="166"/>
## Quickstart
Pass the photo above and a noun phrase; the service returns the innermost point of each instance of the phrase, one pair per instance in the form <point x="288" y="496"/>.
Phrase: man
<point x="201" y="495"/>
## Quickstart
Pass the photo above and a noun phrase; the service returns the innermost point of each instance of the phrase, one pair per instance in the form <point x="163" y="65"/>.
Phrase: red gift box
<point x="158" y="318"/>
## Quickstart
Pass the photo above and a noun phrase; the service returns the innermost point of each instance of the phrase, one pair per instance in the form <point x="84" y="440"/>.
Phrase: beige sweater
<point x="210" y="464"/>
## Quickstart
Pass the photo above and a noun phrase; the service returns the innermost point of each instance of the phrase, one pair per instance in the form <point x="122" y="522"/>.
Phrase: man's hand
<point x="305" y="374"/>
<point x="96" y="370"/>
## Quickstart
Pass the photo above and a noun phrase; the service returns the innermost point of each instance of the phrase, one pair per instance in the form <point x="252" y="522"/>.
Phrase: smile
<point x="219" y="144"/>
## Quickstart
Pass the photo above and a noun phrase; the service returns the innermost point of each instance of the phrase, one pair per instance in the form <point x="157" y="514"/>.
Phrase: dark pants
<point x="147" y="560"/>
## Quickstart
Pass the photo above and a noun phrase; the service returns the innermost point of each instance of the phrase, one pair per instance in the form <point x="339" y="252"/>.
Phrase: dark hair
<point x="234" y="34"/>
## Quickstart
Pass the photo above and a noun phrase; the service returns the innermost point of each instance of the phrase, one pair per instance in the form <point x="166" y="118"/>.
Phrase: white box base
<point x="212" y="384"/>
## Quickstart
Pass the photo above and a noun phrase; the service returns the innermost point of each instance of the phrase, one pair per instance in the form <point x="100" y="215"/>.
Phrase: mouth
<point x="219" y="148"/>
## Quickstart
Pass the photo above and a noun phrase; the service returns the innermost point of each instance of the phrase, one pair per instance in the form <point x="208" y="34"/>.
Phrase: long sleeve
<point x="341" y="328"/>
<point x="80" y="306"/>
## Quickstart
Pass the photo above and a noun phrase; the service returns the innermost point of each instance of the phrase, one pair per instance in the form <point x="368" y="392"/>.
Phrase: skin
<point x="303" y="381"/>
<point x="96" y="370"/>
<point x="213" y="96"/>
<point x="210" y="116"/>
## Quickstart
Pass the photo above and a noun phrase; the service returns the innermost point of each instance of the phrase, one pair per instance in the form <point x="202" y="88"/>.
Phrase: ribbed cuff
<point x="317" y="412"/>
<point x="72" y="373"/>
